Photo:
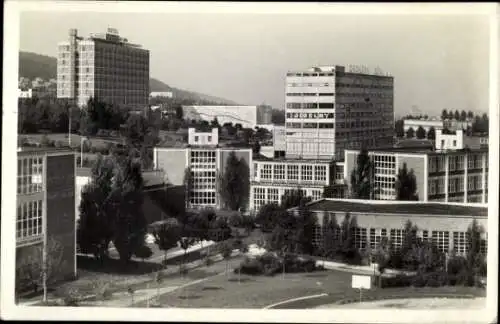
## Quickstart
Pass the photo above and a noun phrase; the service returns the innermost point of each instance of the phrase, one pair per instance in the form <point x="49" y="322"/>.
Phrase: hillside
<point x="32" y="65"/>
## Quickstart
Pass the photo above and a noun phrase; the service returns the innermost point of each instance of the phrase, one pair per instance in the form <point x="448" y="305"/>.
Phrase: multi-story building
<point x="273" y="178"/>
<point x="46" y="207"/>
<point x="103" y="66"/>
<point x="244" y="115"/>
<point x="264" y="115"/>
<point x="426" y="124"/>
<point x="205" y="162"/>
<point x="330" y="109"/>
<point x="444" y="224"/>
<point x="457" y="140"/>
<point x="447" y="176"/>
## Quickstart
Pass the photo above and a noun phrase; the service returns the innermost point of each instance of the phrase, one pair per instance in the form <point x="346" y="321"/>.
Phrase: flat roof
<point x="398" y="207"/>
<point x="262" y="158"/>
<point x="48" y="150"/>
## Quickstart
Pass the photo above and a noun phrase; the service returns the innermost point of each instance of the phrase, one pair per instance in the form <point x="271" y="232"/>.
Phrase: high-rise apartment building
<point x="103" y="66"/>
<point x="330" y="109"/>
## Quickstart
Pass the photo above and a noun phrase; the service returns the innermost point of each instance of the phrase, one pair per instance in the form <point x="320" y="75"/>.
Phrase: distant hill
<point x="32" y="65"/>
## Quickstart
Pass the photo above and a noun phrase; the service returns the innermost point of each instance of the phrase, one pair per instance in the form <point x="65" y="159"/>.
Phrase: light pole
<point x="69" y="126"/>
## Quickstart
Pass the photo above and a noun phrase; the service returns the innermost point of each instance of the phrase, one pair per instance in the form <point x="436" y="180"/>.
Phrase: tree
<point x="463" y="115"/>
<point x="410" y="241"/>
<point x="129" y="226"/>
<point x="331" y="237"/>
<point x="348" y="250"/>
<point x="256" y="148"/>
<point x="294" y="198"/>
<point x="141" y="136"/>
<point x="406" y="184"/>
<point x="475" y="259"/>
<point x="226" y="250"/>
<point x="399" y="128"/>
<point x="456" y="116"/>
<point x="234" y="183"/>
<point x="431" y="134"/>
<point x="444" y="114"/>
<point x="410" y="133"/>
<point x="268" y="216"/>
<point x="188" y="185"/>
<point x="362" y="177"/>
<point x="41" y="266"/>
<point x="470" y="115"/>
<point x="305" y="225"/>
<point x="179" y="113"/>
<point x="420" y="132"/>
<point x="166" y="235"/>
<point x="111" y="208"/>
<point x="215" y="123"/>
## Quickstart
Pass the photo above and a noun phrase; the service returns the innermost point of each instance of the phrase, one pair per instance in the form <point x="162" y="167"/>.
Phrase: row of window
<point x="29" y="175"/>
<point x="310" y="105"/>
<point x="310" y="125"/>
<point x="290" y="172"/>
<point x="263" y="196"/>
<point x="29" y="220"/>
<point x="441" y="239"/>
<point x="305" y="74"/>
<point x="202" y="198"/>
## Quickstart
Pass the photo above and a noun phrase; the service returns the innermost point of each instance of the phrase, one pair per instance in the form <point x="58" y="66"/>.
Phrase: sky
<point x="438" y="62"/>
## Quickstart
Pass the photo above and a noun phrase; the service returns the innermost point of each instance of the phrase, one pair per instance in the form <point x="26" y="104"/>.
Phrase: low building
<point x="46" y="207"/>
<point x="165" y="94"/>
<point x="272" y="178"/>
<point x="205" y="163"/>
<point x="244" y="115"/>
<point x="442" y="223"/>
<point x="203" y="138"/>
<point x="447" y="176"/>
<point x="28" y="93"/>
<point x="426" y="124"/>
<point x="458" y="140"/>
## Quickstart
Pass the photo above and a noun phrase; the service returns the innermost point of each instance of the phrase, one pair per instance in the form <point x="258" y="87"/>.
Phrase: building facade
<point x="444" y="224"/>
<point x="457" y="140"/>
<point x="426" y="124"/>
<point x="46" y="207"/>
<point x="264" y="115"/>
<point x="103" y="66"/>
<point x="205" y="164"/>
<point x="331" y="108"/>
<point x="273" y="178"/>
<point x="244" y="115"/>
<point x="446" y="176"/>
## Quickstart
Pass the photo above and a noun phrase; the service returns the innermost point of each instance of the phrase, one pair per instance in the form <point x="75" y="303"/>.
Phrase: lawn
<point x="262" y="291"/>
<point x="75" y="139"/>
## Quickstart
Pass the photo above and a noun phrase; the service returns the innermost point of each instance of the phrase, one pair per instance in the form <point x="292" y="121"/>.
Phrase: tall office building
<point x="331" y="108"/>
<point x="103" y="66"/>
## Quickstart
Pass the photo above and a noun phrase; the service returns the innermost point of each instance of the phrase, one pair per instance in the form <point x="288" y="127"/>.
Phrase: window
<point x="460" y="242"/>
<point x="196" y="138"/>
<point x="454" y="143"/>
<point x="273" y="195"/>
<point x="29" y="220"/>
<point x="397" y="237"/>
<point x="320" y="172"/>
<point x="29" y="175"/>
<point x="209" y="138"/>
<point x="441" y="240"/>
<point x="316" y="194"/>
<point x="376" y="235"/>
<point x="360" y="238"/>
<point x="425" y="236"/>
<point x="317" y="235"/>
<point x="279" y="172"/>
<point x="484" y="243"/>
<point x="306" y="172"/>
<point x="442" y="144"/>
<point x="255" y="170"/>
<point x="293" y="172"/>
<point x="259" y="197"/>
<point x="460" y="162"/>
<point x="266" y="172"/>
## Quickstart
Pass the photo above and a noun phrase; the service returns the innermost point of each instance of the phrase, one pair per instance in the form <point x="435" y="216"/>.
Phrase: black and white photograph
<point x="250" y="162"/>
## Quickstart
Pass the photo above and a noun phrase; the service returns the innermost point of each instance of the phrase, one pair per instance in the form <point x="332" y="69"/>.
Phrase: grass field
<point x="262" y="291"/>
<point x="75" y="139"/>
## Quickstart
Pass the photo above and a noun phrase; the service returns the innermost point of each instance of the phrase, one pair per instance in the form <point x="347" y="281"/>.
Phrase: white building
<point x="458" y="140"/>
<point x="104" y="66"/>
<point x="24" y="93"/>
<point x="205" y="161"/>
<point x="446" y="176"/>
<point x="426" y="124"/>
<point x="203" y="138"/>
<point x="166" y="94"/>
<point x="275" y="177"/>
<point x="331" y="108"/>
<point x="244" y="115"/>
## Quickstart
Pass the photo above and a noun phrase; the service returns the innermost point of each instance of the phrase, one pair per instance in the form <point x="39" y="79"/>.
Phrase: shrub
<point x="143" y="252"/>
<point x="59" y="144"/>
<point x="250" y="266"/>
<point x="45" y="141"/>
